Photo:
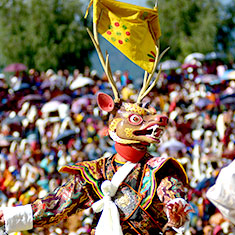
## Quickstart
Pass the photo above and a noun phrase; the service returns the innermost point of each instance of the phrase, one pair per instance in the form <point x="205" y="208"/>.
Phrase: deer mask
<point x="130" y="123"/>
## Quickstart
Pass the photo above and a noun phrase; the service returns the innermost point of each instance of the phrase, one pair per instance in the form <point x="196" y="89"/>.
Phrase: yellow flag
<point x="134" y="30"/>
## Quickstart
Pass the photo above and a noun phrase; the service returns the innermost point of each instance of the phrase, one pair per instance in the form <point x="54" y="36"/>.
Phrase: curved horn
<point x="148" y="77"/>
<point x="104" y="63"/>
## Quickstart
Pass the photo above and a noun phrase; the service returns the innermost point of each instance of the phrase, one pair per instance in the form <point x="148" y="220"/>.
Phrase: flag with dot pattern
<point x="132" y="29"/>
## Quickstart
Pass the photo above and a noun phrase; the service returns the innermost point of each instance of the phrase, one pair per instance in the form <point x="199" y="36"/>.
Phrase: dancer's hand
<point x="177" y="213"/>
<point x="2" y="222"/>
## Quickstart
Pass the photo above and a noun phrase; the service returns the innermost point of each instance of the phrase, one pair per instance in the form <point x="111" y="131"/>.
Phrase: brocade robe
<point x="140" y="199"/>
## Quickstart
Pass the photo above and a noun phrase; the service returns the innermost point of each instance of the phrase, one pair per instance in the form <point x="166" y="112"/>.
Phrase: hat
<point x="49" y="72"/>
<point x="196" y="134"/>
<point x="173" y="95"/>
<point x="93" y="73"/>
<point x="63" y="110"/>
<point x="2" y="76"/>
<point x="118" y="72"/>
<point x="88" y="220"/>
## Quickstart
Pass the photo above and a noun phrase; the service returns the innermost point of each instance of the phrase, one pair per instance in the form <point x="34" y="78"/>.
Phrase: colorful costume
<point x="140" y="198"/>
<point x="142" y="195"/>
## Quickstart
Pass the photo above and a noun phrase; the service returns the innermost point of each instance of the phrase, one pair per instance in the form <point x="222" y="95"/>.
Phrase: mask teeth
<point x="153" y="127"/>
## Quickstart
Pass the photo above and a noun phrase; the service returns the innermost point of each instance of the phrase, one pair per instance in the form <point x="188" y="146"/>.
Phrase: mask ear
<point x="105" y="102"/>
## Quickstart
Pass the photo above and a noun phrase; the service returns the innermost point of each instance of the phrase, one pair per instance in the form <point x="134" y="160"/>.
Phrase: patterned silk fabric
<point x="140" y="198"/>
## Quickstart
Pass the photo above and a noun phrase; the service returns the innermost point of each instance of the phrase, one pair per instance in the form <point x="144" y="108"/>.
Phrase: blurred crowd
<point x="51" y="119"/>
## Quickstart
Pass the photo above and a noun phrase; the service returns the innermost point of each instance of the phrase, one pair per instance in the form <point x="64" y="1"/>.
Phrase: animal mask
<point x="130" y="123"/>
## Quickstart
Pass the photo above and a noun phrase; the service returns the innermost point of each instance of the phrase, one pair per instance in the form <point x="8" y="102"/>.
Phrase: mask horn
<point x="105" y="102"/>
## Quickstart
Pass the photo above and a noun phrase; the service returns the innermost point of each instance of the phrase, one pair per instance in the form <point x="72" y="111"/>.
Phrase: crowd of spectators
<point x="51" y="119"/>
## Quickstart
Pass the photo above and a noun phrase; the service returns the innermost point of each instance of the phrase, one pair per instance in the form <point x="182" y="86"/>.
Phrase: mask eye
<point x="135" y="119"/>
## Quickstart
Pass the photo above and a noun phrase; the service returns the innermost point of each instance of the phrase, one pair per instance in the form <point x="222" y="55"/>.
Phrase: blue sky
<point x="143" y="2"/>
<point x="135" y="2"/>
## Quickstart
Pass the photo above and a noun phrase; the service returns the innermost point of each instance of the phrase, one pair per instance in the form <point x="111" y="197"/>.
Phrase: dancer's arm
<point x="53" y="208"/>
<point x="222" y="193"/>
<point x="171" y="192"/>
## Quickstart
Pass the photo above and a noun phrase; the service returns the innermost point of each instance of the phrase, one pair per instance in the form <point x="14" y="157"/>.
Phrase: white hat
<point x="196" y="134"/>
<point x="49" y="72"/>
<point x="2" y="76"/>
<point x="88" y="220"/>
<point x="63" y="110"/>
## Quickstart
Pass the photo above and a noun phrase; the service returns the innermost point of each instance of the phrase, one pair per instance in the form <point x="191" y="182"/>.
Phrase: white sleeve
<point x="18" y="218"/>
<point x="222" y="193"/>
